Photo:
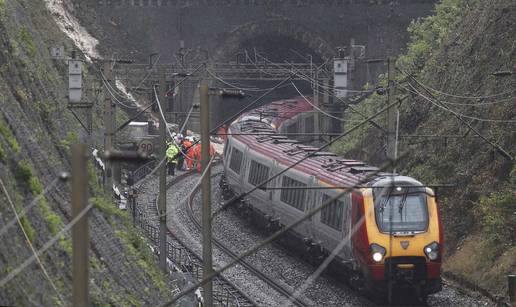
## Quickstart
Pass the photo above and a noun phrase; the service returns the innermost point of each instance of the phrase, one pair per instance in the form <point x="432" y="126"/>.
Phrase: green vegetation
<point x="107" y="207"/>
<point x="28" y="42"/>
<point x="29" y="230"/>
<point x="2" y="153"/>
<point x="94" y="184"/>
<point x="454" y="51"/>
<point x="45" y="110"/>
<point x="23" y="172"/>
<point x="71" y="138"/>
<point x="137" y="247"/>
<point x="497" y="214"/>
<point x="429" y="33"/>
<point x="9" y="137"/>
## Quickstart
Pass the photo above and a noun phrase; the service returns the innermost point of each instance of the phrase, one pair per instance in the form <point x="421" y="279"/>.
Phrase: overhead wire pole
<point x="391" y="113"/>
<point x="108" y="126"/>
<point x="80" y="235"/>
<point x="206" y="192"/>
<point x="162" y="197"/>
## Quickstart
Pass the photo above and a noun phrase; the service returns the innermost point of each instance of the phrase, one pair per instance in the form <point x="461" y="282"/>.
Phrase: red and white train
<point x="387" y="231"/>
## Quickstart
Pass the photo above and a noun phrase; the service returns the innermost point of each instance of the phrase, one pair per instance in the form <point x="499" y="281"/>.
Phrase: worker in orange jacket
<point x="198" y="151"/>
<point x="190" y="154"/>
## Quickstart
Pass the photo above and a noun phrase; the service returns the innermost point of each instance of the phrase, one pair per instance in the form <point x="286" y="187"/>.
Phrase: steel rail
<point x="226" y="293"/>
<point x="270" y="281"/>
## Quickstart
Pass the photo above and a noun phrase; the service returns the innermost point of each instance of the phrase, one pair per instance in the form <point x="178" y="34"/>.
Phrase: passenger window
<point x="309" y="124"/>
<point x="235" y="164"/>
<point x="293" y="197"/>
<point x="258" y="173"/>
<point x="333" y="214"/>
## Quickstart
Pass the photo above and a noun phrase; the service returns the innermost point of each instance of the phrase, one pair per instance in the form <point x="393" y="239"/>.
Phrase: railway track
<point x="288" y="293"/>
<point x="225" y="293"/>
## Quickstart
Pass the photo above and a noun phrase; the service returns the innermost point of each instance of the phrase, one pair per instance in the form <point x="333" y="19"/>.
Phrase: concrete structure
<point x="221" y="30"/>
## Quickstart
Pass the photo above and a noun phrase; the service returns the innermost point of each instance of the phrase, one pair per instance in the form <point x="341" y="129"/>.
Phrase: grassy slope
<point x="456" y="51"/>
<point x="36" y="130"/>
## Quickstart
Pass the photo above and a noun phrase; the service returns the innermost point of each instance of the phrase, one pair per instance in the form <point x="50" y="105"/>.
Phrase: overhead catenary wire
<point x="471" y="128"/>
<point x="35" y="255"/>
<point x="310" y="155"/>
<point x="166" y="125"/>
<point x="466" y="96"/>
<point x="238" y="87"/>
<point x="447" y="109"/>
<point x="373" y="123"/>
<point x="319" y="109"/>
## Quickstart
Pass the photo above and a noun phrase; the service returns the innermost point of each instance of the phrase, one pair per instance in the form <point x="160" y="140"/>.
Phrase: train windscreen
<point x="401" y="210"/>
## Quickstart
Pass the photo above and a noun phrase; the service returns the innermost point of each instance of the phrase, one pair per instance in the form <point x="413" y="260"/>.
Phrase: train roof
<point x="327" y="167"/>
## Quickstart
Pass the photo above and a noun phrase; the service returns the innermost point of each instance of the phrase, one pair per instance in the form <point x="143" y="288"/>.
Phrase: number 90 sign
<point x="146" y="147"/>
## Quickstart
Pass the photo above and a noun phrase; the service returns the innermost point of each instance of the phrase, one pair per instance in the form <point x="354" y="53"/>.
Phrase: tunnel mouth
<point x="262" y="50"/>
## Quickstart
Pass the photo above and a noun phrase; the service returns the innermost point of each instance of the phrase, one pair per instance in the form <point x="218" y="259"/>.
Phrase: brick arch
<point x="229" y="42"/>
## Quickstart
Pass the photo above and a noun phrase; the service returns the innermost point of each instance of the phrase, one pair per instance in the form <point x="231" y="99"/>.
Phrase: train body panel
<point x="386" y="229"/>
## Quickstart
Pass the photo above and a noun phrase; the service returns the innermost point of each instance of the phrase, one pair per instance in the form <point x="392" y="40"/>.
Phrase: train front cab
<point x="399" y="239"/>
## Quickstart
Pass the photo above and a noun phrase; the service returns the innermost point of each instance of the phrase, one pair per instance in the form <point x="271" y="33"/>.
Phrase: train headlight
<point x="377" y="252"/>
<point x="432" y="251"/>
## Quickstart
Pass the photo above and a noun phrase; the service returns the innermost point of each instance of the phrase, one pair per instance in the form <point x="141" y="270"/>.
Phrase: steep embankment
<point x="446" y="77"/>
<point x="36" y="130"/>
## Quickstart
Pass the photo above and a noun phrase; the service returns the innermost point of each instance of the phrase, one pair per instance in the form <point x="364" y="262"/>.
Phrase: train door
<point x="235" y="165"/>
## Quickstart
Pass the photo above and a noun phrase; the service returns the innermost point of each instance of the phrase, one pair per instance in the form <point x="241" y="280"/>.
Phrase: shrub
<point x="71" y="138"/>
<point x="23" y="172"/>
<point x="9" y="137"/>
<point x="31" y="234"/>
<point x="498" y="218"/>
<point x="28" y="41"/>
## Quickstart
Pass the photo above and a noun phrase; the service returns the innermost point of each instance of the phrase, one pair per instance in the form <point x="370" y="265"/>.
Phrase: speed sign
<point x="146" y="147"/>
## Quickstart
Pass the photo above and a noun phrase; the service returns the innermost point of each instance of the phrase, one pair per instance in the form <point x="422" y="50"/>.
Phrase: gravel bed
<point x="179" y="224"/>
<point x="233" y="230"/>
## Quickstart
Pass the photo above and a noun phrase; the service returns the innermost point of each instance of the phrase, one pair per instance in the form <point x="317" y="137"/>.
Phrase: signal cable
<point x="35" y="254"/>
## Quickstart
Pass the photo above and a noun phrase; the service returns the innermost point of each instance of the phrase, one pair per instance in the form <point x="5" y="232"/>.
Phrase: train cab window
<point x="402" y="211"/>
<point x="293" y="197"/>
<point x="235" y="163"/>
<point x="258" y="173"/>
<point x="333" y="214"/>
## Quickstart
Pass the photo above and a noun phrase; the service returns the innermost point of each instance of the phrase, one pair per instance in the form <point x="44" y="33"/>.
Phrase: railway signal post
<point x="206" y="192"/>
